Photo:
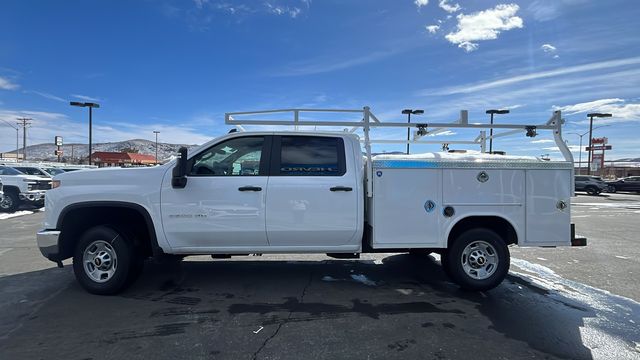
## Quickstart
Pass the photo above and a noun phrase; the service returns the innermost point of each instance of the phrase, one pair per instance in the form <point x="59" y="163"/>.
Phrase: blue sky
<point x="177" y="66"/>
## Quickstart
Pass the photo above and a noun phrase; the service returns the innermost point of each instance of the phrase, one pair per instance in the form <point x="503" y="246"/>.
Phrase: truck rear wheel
<point x="104" y="261"/>
<point x="477" y="260"/>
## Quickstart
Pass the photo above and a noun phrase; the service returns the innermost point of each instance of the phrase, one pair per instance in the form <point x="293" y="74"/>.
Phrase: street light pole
<point x="156" y="132"/>
<point x="493" y="111"/>
<point x="90" y="106"/>
<point x="591" y="116"/>
<point x="408" y="112"/>
<point x="580" y="149"/>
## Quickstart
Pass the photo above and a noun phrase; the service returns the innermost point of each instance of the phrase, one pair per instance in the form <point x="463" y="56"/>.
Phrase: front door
<point x="223" y="203"/>
<point x="312" y="196"/>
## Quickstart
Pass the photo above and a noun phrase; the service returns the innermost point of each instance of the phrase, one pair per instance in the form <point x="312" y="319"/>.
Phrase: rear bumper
<point x="577" y="241"/>
<point x="48" y="244"/>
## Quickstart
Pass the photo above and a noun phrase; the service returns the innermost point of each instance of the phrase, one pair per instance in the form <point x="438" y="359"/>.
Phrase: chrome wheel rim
<point x="479" y="260"/>
<point x="100" y="261"/>
<point x="6" y="202"/>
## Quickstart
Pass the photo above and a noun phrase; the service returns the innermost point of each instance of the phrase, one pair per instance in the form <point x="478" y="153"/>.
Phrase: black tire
<point x="455" y="258"/>
<point x="592" y="190"/>
<point x="10" y="202"/>
<point x="125" y="255"/>
<point x="444" y="262"/>
<point x="611" y="189"/>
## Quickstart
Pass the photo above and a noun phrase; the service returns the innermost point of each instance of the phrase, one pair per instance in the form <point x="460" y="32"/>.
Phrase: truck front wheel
<point x="104" y="261"/>
<point x="478" y="260"/>
<point x="10" y="202"/>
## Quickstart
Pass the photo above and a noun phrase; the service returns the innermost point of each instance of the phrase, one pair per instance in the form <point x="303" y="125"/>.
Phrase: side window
<point x="234" y="157"/>
<point x="580" y="178"/>
<point x="311" y="156"/>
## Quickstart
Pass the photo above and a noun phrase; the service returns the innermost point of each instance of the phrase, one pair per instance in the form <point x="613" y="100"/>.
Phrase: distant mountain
<point x="45" y="152"/>
<point x="628" y="160"/>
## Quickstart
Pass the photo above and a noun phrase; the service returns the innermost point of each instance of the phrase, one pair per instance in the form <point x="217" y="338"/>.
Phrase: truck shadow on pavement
<point x="403" y="306"/>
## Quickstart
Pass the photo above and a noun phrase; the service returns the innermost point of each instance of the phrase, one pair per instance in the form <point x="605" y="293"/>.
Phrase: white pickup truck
<point x="308" y="192"/>
<point x="20" y="188"/>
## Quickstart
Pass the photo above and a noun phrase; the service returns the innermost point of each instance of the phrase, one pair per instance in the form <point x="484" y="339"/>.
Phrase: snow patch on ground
<point x="614" y="313"/>
<point x="4" y="216"/>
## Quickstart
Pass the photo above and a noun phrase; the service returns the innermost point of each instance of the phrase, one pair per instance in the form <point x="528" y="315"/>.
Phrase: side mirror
<point x="179" y="178"/>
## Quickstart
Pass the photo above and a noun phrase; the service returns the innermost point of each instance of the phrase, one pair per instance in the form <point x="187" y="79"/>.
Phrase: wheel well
<point x="128" y="220"/>
<point x="501" y="226"/>
<point x="9" y="188"/>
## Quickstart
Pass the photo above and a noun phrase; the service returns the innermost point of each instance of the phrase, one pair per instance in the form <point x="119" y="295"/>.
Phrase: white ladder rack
<point x="369" y="120"/>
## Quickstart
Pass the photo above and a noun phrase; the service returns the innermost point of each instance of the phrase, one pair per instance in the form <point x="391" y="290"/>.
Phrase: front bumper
<point x="32" y="196"/>
<point x="48" y="243"/>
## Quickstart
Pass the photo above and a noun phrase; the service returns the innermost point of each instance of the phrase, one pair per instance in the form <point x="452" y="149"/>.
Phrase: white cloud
<point x="481" y="86"/>
<point x="45" y="95"/>
<point x="548" y="48"/>
<point x="619" y="108"/>
<point x="420" y="3"/>
<point x="433" y="28"/>
<point x="484" y="25"/>
<point x="541" y="141"/>
<point x="282" y="10"/>
<point x="468" y="46"/>
<point x="6" y="84"/>
<point x="444" y="5"/>
<point x="324" y="65"/>
<point x="86" y="98"/>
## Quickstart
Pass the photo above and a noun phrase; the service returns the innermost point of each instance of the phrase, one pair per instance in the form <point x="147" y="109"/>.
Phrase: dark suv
<point x="593" y="185"/>
<point x="631" y="183"/>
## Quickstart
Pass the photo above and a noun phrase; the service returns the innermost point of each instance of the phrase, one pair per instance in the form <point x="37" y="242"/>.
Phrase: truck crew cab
<point x="309" y="192"/>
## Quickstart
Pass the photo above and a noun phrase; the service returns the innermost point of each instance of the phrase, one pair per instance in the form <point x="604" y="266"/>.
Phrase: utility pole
<point x="24" y="122"/>
<point x="156" y="132"/>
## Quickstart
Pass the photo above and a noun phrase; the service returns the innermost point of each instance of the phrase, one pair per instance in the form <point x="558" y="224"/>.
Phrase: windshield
<point x="4" y="170"/>
<point x="54" y="171"/>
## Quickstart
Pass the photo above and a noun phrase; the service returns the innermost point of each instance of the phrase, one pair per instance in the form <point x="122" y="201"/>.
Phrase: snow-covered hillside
<point x="45" y="152"/>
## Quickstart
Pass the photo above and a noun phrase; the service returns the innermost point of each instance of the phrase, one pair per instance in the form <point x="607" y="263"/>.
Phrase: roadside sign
<point x="58" y="140"/>
<point x="595" y="148"/>
<point x="596" y="162"/>
<point x="58" y="152"/>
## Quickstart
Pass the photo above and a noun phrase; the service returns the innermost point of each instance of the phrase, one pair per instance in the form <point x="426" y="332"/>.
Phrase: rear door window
<point x="309" y="156"/>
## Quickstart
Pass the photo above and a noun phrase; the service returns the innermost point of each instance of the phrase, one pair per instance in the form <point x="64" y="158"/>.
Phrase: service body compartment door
<point x="407" y="208"/>
<point x="548" y="219"/>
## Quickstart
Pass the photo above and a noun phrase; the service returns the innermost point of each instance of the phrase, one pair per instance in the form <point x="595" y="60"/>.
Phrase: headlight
<point x="55" y="184"/>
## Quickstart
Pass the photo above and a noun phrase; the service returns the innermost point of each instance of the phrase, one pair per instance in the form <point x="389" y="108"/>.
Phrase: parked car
<point x="33" y="170"/>
<point x="593" y="185"/>
<point x="631" y="183"/>
<point x="1" y="192"/>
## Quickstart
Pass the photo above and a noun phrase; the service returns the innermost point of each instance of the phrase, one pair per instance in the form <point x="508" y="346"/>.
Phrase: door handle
<point x="341" y="188"/>
<point x="250" y="188"/>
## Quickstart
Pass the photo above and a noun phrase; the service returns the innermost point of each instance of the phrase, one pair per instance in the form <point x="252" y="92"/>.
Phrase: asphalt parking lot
<point x="577" y="303"/>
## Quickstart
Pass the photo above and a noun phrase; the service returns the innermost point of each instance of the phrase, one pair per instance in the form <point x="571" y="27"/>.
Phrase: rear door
<point x="312" y="193"/>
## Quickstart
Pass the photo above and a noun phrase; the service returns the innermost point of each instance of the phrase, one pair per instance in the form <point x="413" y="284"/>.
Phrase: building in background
<point x="122" y="159"/>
